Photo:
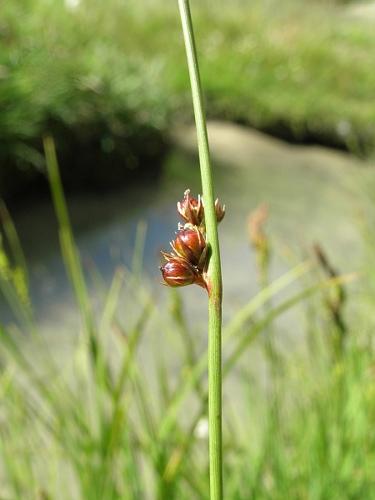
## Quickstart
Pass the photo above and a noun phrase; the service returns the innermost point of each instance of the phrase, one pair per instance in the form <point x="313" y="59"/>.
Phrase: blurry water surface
<point x="314" y="195"/>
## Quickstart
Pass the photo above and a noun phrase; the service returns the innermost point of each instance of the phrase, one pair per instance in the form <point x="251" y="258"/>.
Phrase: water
<point x="314" y="195"/>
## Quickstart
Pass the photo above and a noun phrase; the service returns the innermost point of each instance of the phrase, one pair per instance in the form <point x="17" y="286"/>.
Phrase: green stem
<point x="214" y="268"/>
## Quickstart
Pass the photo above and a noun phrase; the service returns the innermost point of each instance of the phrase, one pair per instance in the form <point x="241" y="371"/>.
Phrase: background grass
<point x="100" y="420"/>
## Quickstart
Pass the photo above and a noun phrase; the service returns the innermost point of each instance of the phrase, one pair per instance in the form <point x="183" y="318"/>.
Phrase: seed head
<point x="187" y="263"/>
<point x="190" y="244"/>
<point x="191" y="209"/>
<point x="256" y="222"/>
<point x="178" y="272"/>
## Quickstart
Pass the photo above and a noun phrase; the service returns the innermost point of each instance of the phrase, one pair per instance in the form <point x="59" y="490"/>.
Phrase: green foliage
<point x="107" y="73"/>
<point x="114" y="423"/>
<point x="60" y="73"/>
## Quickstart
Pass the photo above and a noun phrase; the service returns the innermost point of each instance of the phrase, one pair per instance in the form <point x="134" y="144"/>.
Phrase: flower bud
<point x="191" y="209"/>
<point x="178" y="272"/>
<point x="190" y="244"/>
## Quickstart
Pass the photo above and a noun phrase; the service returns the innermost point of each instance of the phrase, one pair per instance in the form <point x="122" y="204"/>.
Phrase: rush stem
<point x="214" y="266"/>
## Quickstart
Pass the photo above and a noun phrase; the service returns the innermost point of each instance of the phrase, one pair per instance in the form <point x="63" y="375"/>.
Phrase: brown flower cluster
<point x="187" y="263"/>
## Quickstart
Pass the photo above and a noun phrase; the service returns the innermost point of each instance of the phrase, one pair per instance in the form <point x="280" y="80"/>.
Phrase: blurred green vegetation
<point x="109" y="79"/>
<point x="102" y="420"/>
<point x="92" y="422"/>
